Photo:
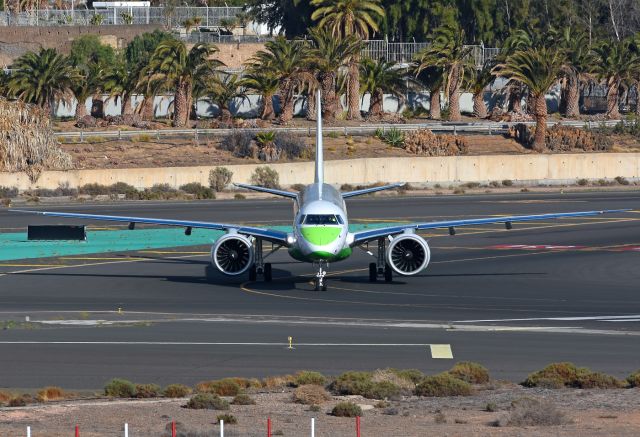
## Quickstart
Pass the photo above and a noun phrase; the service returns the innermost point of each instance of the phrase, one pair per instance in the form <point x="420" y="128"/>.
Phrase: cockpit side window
<point x="339" y="218"/>
<point x="301" y="219"/>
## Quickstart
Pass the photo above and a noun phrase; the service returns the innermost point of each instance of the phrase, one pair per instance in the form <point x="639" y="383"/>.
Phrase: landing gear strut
<point x="380" y="267"/>
<point x="260" y="267"/>
<point x="319" y="281"/>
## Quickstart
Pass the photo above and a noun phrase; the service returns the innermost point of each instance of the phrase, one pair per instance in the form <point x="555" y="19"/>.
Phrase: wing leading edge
<point x="363" y="236"/>
<point x="271" y="235"/>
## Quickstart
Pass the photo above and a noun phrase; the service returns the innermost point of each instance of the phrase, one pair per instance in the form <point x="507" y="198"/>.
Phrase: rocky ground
<point x="585" y="413"/>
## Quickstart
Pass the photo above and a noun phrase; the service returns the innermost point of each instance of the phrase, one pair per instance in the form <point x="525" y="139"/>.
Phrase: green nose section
<point x="320" y="235"/>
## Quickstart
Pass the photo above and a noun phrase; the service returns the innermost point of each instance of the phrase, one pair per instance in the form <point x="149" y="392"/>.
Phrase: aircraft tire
<point x="388" y="273"/>
<point x="253" y="273"/>
<point x="316" y="284"/>
<point x="324" y="286"/>
<point x="373" y="272"/>
<point x="267" y="272"/>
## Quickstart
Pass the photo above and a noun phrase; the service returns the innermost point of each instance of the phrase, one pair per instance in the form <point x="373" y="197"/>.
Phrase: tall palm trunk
<point x="637" y="85"/>
<point x="127" y="108"/>
<point x="353" y="91"/>
<point x="147" y="108"/>
<point x="312" y="106"/>
<point x="267" y="112"/>
<point x="454" y="95"/>
<point x="540" y="113"/>
<point x="612" y="99"/>
<point x="329" y="96"/>
<point x="479" y="106"/>
<point x="286" y="101"/>
<point x="225" y="114"/>
<point x="434" y="103"/>
<point x="81" y="108"/>
<point x="181" y="106"/>
<point x="570" y="104"/>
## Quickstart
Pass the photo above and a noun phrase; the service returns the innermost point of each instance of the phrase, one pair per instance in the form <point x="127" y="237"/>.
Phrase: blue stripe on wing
<point x="274" y="236"/>
<point x="361" y="237"/>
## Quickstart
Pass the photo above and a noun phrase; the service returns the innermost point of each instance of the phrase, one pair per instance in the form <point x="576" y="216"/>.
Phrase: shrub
<point x="346" y="409"/>
<point x="459" y="190"/>
<point x="306" y="377"/>
<point x="621" y="180"/>
<point x="394" y="137"/>
<point x="198" y="190"/>
<point x="129" y="191"/>
<point x="441" y="385"/>
<point x="240" y="144"/>
<point x="425" y="142"/>
<point x="633" y="380"/>
<point x="207" y="401"/>
<point x="382" y="404"/>
<point x="145" y="391"/>
<point x="176" y="391"/>
<point x="292" y="146"/>
<point x="413" y="375"/>
<point x="19" y="401"/>
<point x="278" y="381"/>
<point x="352" y="383"/>
<point x="310" y="395"/>
<point x="266" y="177"/>
<point x="582" y="182"/>
<point x="5" y="397"/>
<point x="8" y="192"/>
<point x="558" y="375"/>
<point x="221" y="387"/>
<point x="473" y="373"/>
<point x="491" y="407"/>
<point x="120" y="388"/>
<point x="382" y="390"/>
<point x="219" y="178"/>
<point x="229" y="419"/>
<point x="315" y="408"/>
<point x="533" y="412"/>
<point x="94" y="189"/>
<point x="401" y="380"/>
<point x="243" y="399"/>
<point x="507" y="183"/>
<point x="298" y="187"/>
<point x="239" y="196"/>
<point x="51" y="394"/>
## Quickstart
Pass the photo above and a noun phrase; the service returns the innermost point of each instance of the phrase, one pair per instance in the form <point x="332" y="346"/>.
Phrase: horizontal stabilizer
<point x="370" y="190"/>
<point x="268" y="190"/>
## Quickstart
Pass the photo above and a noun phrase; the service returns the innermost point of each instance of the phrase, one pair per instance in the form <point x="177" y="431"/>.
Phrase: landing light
<point x="291" y="239"/>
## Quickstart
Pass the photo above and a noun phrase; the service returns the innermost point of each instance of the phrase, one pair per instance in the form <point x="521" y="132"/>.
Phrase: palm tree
<point x="266" y="84"/>
<point x="328" y="54"/>
<point x="477" y="84"/>
<point x="447" y="51"/>
<point x="349" y="17"/>
<point x="432" y="78"/>
<point x="88" y="82"/>
<point x="616" y="61"/>
<point x="286" y="60"/>
<point x="43" y="78"/>
<point x="537" y="68"/>
<point x="222" y="89"/>
<point x="178" y="69"/>
<point x="378" y="77"/>
<point x="519" y="39"/>
<point x="121" y="82"/>
<point x="575" y="71"/>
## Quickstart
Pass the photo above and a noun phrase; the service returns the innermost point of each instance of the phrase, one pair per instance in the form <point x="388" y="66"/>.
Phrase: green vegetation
<point x="443" y="384"/>
<point x="533" y="412"/>
<point x="306" y="377"/>
<point x="220" y="387"/>
<point x="243" y="399"/>
<point x="219" y="178"/>
<point x="558" y="375"/>
<point x="310" y="395"/>
<point x="207" y="401"/>
<point x="394" y="137"/>
<point x="147" y="390"/>
<point x="346" y="409"/>
<point x="228" y="419"/>
<point x="634" y="379"/>
<point x="364" y="384"/>
<point x="176" y="391"/>
<point x="473" y="373"/>
<point x="120" y="388"/>
<point x="266" y="177"/>
<point x="198" y="190"/>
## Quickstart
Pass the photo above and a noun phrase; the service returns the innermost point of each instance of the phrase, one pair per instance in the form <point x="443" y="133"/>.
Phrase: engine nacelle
<point x="408" y="254"/>
<point x="232" y="254"/>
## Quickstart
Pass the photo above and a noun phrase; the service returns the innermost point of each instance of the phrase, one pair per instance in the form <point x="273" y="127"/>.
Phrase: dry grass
<point x="28" y="142"/>
<point x="388" y="375"/>
<point x="221" y="387"/>
<point x="473" y="373"/>
<point x="278" y="381"/>
<point x="533" y="412"/>
<point x="426" y="143"/>
<point x="5" y="397"/>
<point x="310" y="394"/>
<point x="51" y="394"/>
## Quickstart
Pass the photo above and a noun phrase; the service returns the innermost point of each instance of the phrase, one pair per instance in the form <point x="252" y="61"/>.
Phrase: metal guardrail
<point x="169" y="17"/>
<point x="455" y="128"/>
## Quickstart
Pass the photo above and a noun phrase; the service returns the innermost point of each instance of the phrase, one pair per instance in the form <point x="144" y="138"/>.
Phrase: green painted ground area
<point x="15" y="246"/>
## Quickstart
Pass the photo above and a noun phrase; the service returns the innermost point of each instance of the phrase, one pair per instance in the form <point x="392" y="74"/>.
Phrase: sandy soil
<point x="589" y="413"/>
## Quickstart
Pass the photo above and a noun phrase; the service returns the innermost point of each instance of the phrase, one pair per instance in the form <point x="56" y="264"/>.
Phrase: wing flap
<point x="362" y="236"/>
<point x="370" y="190"/>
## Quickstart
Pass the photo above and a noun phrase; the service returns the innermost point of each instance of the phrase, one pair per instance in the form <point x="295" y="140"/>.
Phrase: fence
<point x="403" y="52"/>
<point x="209" y="17"/>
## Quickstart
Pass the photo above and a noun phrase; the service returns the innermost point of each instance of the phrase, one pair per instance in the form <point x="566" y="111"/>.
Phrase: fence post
<point x="313" y="427"/>
<point x="357" y="426"/>
<point x="455" y="130"/>
<point x="126" y="430"/>
<point x="77" y="431"/>
<point x="28" y="431"/>
<point x="268" y="427"/>
<point x="81" y="136"/>
<point x="221" y="428"/>
<point x="173" y="428"/>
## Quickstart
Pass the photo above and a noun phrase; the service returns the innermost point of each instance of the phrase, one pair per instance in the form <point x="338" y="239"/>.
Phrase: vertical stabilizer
<point x="319" y="179"/>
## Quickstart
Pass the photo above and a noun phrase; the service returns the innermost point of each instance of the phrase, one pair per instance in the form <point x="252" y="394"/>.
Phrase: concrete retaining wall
<point x="526" y="169"/>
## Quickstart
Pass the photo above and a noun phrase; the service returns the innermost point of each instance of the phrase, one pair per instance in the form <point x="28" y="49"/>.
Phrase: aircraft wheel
<point x="324" y="285"/>
<point x="388" y="273"/>
<point x="373" y="272"/>
<point x="253" y="273"/>
<point x="316" y="284"/>
<point x="267" y="272"/>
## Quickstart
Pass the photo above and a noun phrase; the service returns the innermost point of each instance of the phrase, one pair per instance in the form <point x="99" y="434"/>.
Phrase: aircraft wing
<point x="364" y="236"/>
<point x="274" y="236"/>
<point x="348" y="194"/>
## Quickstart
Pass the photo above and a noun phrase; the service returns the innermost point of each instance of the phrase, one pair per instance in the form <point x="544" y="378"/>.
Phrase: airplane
<point x="321" y="233"/>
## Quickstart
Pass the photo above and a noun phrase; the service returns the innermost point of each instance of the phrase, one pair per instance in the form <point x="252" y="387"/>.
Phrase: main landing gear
<point x="319" y="282"/>
<point x="259" y="267"/>
<point x="380" y="268"/>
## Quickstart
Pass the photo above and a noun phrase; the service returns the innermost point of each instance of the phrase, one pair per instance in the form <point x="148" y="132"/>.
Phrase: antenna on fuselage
<point x="319" y="179"/>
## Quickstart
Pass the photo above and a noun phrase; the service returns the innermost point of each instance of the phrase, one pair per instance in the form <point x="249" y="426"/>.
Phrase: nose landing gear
<point x="319" y="281"/>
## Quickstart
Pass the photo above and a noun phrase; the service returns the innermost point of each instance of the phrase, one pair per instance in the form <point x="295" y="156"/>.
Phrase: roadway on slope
<point x="513" y="300"/>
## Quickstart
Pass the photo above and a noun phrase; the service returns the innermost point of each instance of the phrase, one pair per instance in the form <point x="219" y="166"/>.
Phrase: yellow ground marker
<point x="441" y="351"/>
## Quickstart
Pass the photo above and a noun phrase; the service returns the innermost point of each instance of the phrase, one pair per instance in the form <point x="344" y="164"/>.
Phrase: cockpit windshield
<point x="322" y="219"/>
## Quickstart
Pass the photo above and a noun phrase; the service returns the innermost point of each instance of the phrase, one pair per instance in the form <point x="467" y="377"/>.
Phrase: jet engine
<point x="232" y="254"/>
<point x="408" y="254"/>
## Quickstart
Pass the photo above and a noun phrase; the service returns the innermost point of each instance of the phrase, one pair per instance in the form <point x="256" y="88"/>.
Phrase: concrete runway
<point x="511" y="300"/>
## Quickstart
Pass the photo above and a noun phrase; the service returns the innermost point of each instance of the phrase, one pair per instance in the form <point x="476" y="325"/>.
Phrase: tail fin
<point x="319" y="179"/>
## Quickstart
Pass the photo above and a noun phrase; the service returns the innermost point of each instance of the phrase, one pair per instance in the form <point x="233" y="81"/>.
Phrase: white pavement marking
<point x="213" y="343"/>
<point x="568" y="318"/>
<point x="441" y="351"/>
